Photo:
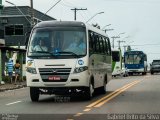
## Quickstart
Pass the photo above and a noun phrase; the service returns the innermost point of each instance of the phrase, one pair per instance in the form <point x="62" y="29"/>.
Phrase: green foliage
<point x="6" y="79"/>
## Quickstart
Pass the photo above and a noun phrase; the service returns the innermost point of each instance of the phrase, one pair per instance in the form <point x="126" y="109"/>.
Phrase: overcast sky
<point x="139" y="19"/>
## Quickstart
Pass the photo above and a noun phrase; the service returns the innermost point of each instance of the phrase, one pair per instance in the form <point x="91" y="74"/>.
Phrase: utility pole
<point x="75" y="12"/>
<point x="32" y="13"/>
<point x="119" y="42"/>
<point x="1" y="7"/>
<point x="114" y="37"/>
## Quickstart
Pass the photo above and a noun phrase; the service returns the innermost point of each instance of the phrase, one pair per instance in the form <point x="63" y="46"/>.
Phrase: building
<point x="17" y="21"/>
<point x="15" y="25"/>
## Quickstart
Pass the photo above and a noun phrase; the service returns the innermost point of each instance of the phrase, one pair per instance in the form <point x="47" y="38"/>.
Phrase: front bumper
<point x="74" y="80"/>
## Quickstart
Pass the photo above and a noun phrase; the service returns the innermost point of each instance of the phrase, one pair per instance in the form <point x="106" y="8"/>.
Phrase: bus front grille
<point x="54" y="74"/>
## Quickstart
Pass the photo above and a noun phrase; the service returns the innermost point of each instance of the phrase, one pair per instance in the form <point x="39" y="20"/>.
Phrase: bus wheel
<point x="103" y="89"/>
<point x="34" y="94"/>
<point x="89" y="92"/>
<point x="144" y="73"/>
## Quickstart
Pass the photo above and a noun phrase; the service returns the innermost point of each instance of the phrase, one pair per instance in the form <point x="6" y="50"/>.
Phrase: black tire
<point x="103" y="89"/>
<point x="89" y="92"/>
<point x="124" y="75"/>
<point x="152" y="73"/>
<point x="34" y="94"/>
<point x="144" y="73"/>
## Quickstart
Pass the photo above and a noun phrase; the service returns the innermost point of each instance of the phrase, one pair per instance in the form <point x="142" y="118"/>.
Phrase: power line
<point x="66" y="4"/>
<point x="20" y="11"/>
<point x="51" y="8"/>
<point x="82" y="15"/>
<point x="69" y="4"/>
<point x="73" y="5"/>
<point x="63" y="4"/>
<point x="119" y="43"/>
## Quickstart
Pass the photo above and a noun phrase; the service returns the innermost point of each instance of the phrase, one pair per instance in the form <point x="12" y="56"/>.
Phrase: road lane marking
<point x="86" y="110"/>
<point x="105" y="99"/>
<point x="119" y="92"/>
<point x="109" y="95"/>
<point x="13" y="103"/>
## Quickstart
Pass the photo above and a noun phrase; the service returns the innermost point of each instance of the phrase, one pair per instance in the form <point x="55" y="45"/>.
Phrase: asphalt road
<point x="129" y="95"/>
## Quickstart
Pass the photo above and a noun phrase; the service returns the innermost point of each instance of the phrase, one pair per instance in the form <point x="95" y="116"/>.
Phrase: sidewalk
<point x="9" y="86"/>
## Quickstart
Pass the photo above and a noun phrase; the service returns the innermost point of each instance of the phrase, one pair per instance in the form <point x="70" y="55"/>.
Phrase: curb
<point x="12" y="88"/>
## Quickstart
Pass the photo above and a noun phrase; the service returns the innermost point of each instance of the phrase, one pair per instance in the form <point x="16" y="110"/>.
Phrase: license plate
<point x="54" y="78"/>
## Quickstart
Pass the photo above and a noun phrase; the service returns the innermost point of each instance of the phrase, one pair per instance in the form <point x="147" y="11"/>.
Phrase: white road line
<point x="13" y="103"/>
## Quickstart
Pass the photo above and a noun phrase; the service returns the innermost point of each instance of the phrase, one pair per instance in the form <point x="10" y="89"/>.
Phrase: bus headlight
<point x="80" y="69"/>
<point x="31" y="70"/>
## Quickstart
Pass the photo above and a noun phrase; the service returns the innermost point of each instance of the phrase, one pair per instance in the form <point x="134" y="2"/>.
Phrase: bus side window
<point x="97" y="44"/>
<point x="101" y="45"/>
<point x="105" y="46"/>
<point x="94" y="43"/>
<point x="109" y="46"/>
<point x="104" y="50"/>
<point x="91" y="42"/>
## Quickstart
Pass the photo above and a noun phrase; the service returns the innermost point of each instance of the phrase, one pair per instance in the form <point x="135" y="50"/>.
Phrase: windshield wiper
<point x="68" y="52"/>
<point x="58" y="53"/>
<point x="42" y="52"/>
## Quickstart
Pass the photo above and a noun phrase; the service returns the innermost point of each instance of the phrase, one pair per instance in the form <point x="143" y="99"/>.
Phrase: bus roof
<point x="54" y="23"/>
